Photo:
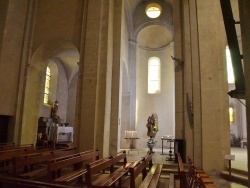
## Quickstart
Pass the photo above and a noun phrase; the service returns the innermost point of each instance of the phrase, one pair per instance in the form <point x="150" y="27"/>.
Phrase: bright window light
<point x="47" y="85"/>
<point x="153" y="10"/>
<point x="154" y="70"/>
<point x="231" y="115"/>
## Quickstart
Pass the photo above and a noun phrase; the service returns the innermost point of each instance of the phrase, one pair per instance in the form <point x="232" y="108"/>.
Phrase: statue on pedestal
<point x="152" y="130"/>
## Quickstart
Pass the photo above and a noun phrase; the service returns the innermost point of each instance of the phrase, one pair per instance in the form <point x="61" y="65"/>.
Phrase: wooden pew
<point x="24" y="165"/>
<point x="171" y="180"/>
<point x="181" y="172"/>
<point x="7" y="182"/>
<point x="110" y="179"/>
<point x="197" y="177"/>
<point x="7" y="156"/>
<point x="7" y="146"/>
<point x="56" y="166"/>
<point x="152" y="177"/>
<point x="141" y="167"/>
<point x="192" y="177"/>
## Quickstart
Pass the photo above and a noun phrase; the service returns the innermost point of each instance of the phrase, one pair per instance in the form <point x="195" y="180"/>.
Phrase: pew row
<point x="153" y="176"/>
<point x="33" y="166"/>
<point x="96" y="179"/>
<point x="140" y="167"/>
<point x="56" y="168"/>
<point x="192" y="177"/>
<point x="7" y="182"/>
<point x="6" y="157"/>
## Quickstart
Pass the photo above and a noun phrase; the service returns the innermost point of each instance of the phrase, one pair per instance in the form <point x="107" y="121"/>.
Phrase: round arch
<point x="33" y="96"/>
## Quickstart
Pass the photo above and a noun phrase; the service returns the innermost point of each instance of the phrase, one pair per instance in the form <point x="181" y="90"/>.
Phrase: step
<point x="235" y="177"/>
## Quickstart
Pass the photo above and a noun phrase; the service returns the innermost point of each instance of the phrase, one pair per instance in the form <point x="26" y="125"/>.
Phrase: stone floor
<point x="240" y="162"/>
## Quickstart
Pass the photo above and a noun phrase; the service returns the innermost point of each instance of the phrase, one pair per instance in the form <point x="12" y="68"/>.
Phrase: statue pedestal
<point x="151" y="146"/>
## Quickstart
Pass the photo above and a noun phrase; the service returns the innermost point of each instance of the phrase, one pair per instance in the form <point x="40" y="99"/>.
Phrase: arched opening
<point x="61" y="58"/>
<point x="237" y="121"/>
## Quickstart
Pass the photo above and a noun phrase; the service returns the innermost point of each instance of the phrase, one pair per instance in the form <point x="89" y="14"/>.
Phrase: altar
<point x="60" y="133"/>
<point x="52" y="133"/>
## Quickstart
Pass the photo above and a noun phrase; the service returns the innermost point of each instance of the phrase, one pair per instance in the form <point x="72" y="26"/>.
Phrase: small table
<point x="131" y="146"/>
<point x="170" y="140"/>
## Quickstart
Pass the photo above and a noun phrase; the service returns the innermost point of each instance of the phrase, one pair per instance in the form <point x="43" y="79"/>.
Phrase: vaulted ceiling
<point x="133" y="3"/>
<point x="153" y="36"/>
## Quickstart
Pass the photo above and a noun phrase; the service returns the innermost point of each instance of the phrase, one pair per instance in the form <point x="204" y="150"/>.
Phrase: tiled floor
<point x="158" y="158"/>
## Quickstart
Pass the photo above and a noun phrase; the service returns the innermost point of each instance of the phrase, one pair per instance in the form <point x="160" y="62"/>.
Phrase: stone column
<point x="116" y="69"/>
<point x="93" y="65"/>
<point x="187" y="76"/>
<point x="179" y="96"/>
<point x="214" y="129"/>
<point x="244" y="6"/>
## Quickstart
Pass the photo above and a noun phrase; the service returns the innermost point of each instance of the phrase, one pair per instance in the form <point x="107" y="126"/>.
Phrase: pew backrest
<point x="105" y="163"/>
<point x="139" y="167"/>
<point x="54" y="166"/>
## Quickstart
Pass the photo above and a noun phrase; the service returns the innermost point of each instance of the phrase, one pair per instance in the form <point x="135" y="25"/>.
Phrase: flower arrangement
<point x="152" y="128"/>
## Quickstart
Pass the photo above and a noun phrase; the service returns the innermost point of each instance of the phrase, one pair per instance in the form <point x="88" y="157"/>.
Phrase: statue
<point x="55" y="118"/>
<point x="152" y="130"/>
<point x="152" y="126"/>
<point x="55" y="108"/>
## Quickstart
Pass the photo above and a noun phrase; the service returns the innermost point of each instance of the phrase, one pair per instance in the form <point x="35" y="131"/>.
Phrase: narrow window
<point x="231" y="115"/>
<point x="46" y="88"/>
<point x="230" y="73"/>
<point x="154" y="70"/>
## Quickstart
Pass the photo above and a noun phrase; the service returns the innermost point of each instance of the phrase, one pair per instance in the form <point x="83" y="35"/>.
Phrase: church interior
<point x="143" y="76"/>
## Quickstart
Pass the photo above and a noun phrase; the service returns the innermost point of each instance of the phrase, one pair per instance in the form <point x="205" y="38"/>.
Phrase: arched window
<point x="230" y="73"/>
<point x="231" y="115"/>
<point x="154" y="75"/>
<point x="47" y="85"/>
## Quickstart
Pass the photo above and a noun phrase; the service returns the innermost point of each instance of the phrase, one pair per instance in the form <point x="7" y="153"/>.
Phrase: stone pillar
<point x="192" y="81"/>
<point x="205" y="81"/>
<point x="179" y="96"/>
<point x="132" y="69"/>
<point x="93" y="74"/>
<point x="187" y="76"/>
<point x="213" y="87"/>
<point x="116" y="69"/>
<point x="244" y="6"/>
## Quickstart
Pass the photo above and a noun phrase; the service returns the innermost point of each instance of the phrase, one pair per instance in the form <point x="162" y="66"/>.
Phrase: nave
<point x="28" y="166"/>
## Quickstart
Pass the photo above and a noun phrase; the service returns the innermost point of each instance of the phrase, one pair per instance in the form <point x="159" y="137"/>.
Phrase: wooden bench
<point x="6" y="157"/>
<point x="7" y="146"/>
<point x="55" y="167"/>
<point x="140" y="167"/>
<point x="192" y="177"/>
<point x="24" y="165"/>
<point x="7" y="182"/>
<point x="171" y="180"/>
<point x="110" y="179"/>
<point x="153" y="176"/>
<point x="181" y="172"/>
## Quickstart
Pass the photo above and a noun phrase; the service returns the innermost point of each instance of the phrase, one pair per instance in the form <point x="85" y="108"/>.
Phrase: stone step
<point x="236" y="177"/>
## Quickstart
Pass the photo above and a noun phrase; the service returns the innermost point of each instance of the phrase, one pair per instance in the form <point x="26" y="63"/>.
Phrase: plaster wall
<point x="53" y="21"/>
<point x="163" y="103"/>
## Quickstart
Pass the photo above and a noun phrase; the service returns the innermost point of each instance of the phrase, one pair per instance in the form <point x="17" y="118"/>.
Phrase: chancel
<point x="80" y="79"/>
